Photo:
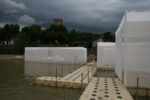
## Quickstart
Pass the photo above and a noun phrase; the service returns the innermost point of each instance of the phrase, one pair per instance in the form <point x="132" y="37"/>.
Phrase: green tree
<point x="58" y="34"/>
<point x="1" y="35"/>
<point x="58" y="28"/>
<point x="21" y="42"/>
<point x="72" y="37"/>
<point x="33" y="32"/>
<point x="108" y="37"/>
<point x="10" y="31"/>
<point x="29" y="36"/>
<point x="6" y="32"/>
<point x="14" y="30"/>
<point x="45" y="37"/>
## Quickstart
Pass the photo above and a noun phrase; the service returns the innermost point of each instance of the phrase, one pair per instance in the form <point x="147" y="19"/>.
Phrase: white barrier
<point x="32" y="69"/>
<point x="68" y="55"/>
<point x="133" y="49"/>
<point x="106" y="54"/>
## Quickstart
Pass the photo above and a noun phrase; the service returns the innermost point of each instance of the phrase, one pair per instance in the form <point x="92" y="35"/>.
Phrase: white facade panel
<point x="105" y="55"/>
<point x="133" y="49"/>
<point x="69" y="55"/>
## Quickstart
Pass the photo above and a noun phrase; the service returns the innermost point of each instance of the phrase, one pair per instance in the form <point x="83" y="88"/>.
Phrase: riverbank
<point x="6" y="56"/>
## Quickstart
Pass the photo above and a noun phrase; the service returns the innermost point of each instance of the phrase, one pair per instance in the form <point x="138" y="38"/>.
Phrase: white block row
<point x="77" y="79"/>
<point x="68" y="55"/>
<point x="32" y="69"/>
<point x="133" y="49"/>
<point x="106" y="54"/>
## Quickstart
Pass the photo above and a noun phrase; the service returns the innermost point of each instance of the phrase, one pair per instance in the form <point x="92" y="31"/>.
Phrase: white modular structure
<point x="66" y="55"/>
<point x="133" y="49"/>
<point x="33" y="69"/>
<point x="106" y="54"/>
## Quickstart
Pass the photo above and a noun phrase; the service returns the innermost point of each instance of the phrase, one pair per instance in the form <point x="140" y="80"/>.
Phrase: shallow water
<point x="16" y="81"/>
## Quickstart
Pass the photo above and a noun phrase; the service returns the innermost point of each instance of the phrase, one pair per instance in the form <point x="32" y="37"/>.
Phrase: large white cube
<point x="133" y="49"/>
<point x="106" y="54"/>
<point x="68" y="55"/>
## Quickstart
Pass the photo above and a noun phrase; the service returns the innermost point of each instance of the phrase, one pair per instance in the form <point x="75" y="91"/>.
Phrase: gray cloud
<point x="26" y="20"/>
<point x="84" y="15"/>
<point x="11" y="4"/>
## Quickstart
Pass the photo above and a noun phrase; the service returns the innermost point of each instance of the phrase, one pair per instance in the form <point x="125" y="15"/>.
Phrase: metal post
<point x="69" y="69"/>
<point x="75" y="67"/>
<point x="56" y="76"/>
<point x="137" y="87"/>
<point x="123" y="77"/>
<point x="64" y="92"/>
<point x="88" y="74"/>
<point x="61" y="70"/>
<point x="92" y="71"/>
<point x="146" y="94"/>
<point x="81" y="80"/>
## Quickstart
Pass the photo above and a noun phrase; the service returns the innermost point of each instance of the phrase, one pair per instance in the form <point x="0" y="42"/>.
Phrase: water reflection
<point x="16" y="81"/>
<point x="46" y="69"/>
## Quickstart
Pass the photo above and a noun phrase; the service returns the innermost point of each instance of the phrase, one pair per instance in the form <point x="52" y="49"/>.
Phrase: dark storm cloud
<point x="84" y="15"/>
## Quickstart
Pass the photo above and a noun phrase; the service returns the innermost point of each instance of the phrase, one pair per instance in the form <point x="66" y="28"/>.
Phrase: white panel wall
<point x="133" y="49"/>
<point x="119" y="62"/>
<point x="69" y="55"/>
<point x="105" y="55"/>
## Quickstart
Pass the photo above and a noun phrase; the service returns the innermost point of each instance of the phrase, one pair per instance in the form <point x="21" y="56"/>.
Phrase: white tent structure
<point x="66" y="55"/>
<point x="106" y="54"/>
<point x="133" y="49"/>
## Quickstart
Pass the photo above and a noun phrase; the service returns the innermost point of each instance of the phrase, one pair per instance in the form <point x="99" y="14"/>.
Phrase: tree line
<point x="55" y="35"/>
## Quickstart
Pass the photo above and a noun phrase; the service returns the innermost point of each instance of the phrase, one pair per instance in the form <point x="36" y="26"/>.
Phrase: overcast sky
<point x="84" y="15"/>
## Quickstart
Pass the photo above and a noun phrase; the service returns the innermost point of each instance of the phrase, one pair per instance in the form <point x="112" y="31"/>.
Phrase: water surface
<point x="16" y="80"/>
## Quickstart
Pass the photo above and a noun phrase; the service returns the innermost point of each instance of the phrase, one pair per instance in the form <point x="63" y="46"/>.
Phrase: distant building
<point x="57" y="21"/>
